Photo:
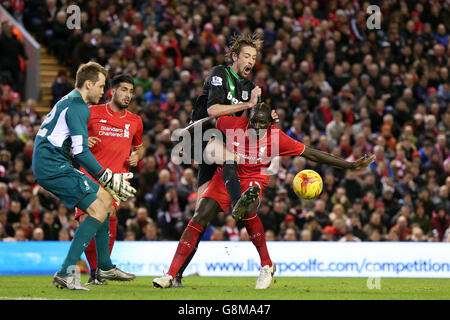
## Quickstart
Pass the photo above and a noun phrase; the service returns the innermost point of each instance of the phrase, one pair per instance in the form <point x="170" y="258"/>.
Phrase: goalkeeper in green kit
<point x="64" y="130"/>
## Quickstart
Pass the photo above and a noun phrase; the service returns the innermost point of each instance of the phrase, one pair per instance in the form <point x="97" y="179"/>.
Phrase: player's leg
<point x="255" y="230"/>
<point x="189" y="240"/>
<point x="106" y="270"/>
<point x="204" y="176"/>
<point x="89" y="200"/>
<point x="217" y="152"/>
<point x="213" y="200"/>
<point x="91" y="250"/>
<point x="91" y="256"/>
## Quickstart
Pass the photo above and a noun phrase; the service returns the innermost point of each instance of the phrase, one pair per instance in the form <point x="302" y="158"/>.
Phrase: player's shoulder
<point x="72" y="99"/>
<point x="74" y="103"/>
<point x="133" y="116"/>
<point x="97" y="106"/>
<point x="219" y="70"/>
<point x="232" y="122"/>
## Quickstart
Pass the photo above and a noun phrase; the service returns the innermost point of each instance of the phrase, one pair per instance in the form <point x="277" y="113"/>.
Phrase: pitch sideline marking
<point x="27" y="298"/>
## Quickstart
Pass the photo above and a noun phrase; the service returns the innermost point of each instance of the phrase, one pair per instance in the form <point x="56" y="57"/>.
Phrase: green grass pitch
<point x="231" y="288"/>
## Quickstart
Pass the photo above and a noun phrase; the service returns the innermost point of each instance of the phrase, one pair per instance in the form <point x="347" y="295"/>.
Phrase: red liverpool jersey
<point x="257" y="153"/>
<point x="119" y="132"/>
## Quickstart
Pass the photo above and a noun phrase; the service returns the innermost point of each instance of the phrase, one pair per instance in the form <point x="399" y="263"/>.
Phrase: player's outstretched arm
<point x="327" y="158"/>
<point x="204" y="124"/>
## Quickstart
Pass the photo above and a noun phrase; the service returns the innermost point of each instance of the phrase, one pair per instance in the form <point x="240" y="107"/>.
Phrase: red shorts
<point x="217" y="190"/>
<point x="79" y="212"/>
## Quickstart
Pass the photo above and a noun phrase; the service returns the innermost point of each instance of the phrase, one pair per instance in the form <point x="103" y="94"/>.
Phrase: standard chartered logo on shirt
<point x="115" y="132"/>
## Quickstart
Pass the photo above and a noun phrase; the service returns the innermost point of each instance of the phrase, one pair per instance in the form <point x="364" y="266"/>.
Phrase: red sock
<point x="187" y="243"/>
<point x="112" y="232"/>
<point x="91" y="254"/>
<point x="255" y="230"/>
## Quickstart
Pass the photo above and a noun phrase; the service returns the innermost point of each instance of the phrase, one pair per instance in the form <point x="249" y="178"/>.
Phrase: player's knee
<point x="105" y="198"/>
<point x="100" y="208"/>
<point x="206" y="210"/>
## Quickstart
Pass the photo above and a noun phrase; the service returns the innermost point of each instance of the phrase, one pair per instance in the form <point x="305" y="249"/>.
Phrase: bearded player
<point x="114" y="133"/>
<point x="227" y="91"/>
<point x="255" y="142"/>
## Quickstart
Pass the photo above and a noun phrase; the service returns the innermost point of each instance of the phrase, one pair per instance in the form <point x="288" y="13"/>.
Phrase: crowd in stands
<point x="336" y="85"/>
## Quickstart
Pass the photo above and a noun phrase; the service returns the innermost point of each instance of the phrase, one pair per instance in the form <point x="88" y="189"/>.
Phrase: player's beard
<point x="119" y="104"/>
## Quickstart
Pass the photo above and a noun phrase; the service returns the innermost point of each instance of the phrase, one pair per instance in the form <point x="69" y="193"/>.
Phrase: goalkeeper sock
<point x="85" y="231"/>
<point x="91" y="250"/>
<point x="102" y="244"/>
<point x="185" y="247"/>
<point x="112" y="232"/>
<point x="232" y="183"/>
<point x="256" y="233"/>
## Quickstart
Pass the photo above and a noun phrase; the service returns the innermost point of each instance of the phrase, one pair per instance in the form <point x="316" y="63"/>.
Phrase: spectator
<point x="11" y="52"/>
<point x="417" y="235"/>
<point x="38" y="234"/>
<point x="230" y="230"/>
<point x="243" y="235"/>
<point x="60" y="87"/>
<point x="270" y="235"/>
<point x="14" y="212"/>
<point x="328" y="234"/>
<point x="25" y="223"/>
<point x="404" y="232"/>
<point x="63" y="235"/>
<point x="50" y="227"/>
<point x="170" y="216"/>
<point x="137" y="225"/>
<point x="6" y="229"/>
<point x="422" y="220"/>
<point x="374" y="224"/>
<point x="186" y="187"/>
<point x="159" y="192"/>
<point x="151" y="233"/>
<point x="349" y="236"/>
<point x="305" y="235"/>
<point x="290" y="234"/>
<point x="4" y="196"/>
<point x="19" y="235"/>
<point x="147" y="179"/>
<point x="440" y="221"/>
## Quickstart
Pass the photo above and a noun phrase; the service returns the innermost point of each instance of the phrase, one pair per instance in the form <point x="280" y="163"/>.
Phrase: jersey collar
<point x="235" y="74"/>
<point x="115" y="114"/>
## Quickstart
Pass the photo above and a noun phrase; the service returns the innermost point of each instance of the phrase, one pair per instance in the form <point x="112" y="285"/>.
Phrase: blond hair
<point x="242" y="40"/>
<point x="89" y="71"/>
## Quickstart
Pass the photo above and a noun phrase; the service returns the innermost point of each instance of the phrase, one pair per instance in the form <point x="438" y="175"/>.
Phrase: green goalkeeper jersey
<point x="64" y="130"/>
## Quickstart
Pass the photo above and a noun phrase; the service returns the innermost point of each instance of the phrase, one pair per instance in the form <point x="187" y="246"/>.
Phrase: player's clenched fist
<point x="117" y="185"/>
<point x="254" y="95"/>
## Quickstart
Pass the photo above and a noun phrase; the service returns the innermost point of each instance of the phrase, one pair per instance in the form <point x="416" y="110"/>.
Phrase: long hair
<point x="242" y="40"/>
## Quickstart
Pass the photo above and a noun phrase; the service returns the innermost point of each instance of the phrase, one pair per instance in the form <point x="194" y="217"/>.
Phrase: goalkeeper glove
<point x="117" y="185"/>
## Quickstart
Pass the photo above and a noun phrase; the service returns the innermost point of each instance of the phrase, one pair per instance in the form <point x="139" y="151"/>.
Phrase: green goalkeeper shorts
<point x="72" y="187"/>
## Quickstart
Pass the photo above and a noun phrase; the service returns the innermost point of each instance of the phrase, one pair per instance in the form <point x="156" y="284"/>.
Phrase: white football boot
<point x="71" y="282"/>
<point x="265" y="277"/>
<point x="164" y="282"/>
